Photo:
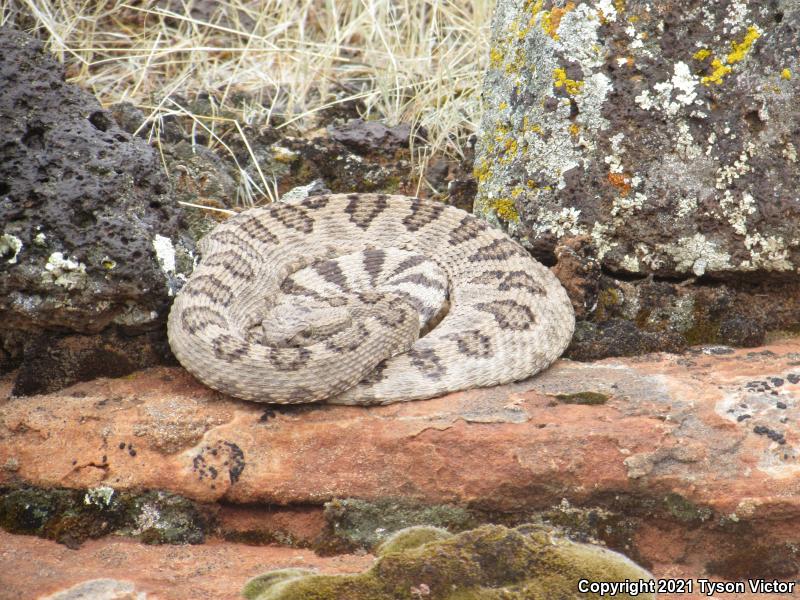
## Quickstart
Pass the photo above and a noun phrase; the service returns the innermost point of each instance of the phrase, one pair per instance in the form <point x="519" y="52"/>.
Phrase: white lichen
<point x="736" y="211"/>
<point x="686" y="205"/>
<point x="165" y="252"/>
<point x="613" y="160"/>
<point x="560" y="223"/>
<point x="670" y="96"/>
<point x="607" y="9"/>
<point x="625" y="205"/>
<point x="149" y="517"/>
<point x="790" y="152"/>
<point x="601" y="238"/>
<point x="736" y="17"/>
<point x="64" y="271"/>
<point x="99" y="496"/>
<point x="578" y="37"/>
<point x="630" y="264"/>
<point x="770" y="253"/>
<point x="698" y="254"/>
<point x="10" y="246"/>
<point x="684" y="142"/>
<point x="685" y="83"/>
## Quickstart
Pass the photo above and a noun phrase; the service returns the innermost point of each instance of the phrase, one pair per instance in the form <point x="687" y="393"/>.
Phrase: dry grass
<point x="275" y="62"/>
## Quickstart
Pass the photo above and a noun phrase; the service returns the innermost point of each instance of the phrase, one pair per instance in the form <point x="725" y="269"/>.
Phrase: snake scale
<point x="364" y="299"/>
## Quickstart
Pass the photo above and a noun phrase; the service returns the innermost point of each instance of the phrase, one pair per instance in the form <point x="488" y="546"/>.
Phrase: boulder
<point x="90" y="239"/>
<point x="665" y="134"/>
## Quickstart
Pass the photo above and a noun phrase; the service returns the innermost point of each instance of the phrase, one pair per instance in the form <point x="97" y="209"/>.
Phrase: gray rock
<point x="366" y="137"/>
<point x="680" y="118"/>
<point x="100" y="589"/>
<point x="667" y="133"/>
<point x="90" y="239"/>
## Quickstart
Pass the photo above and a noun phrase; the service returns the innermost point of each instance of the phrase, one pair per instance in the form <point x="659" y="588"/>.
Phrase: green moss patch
<point x="354" y="524"/>
<point x="588" y="398"/>
<point x="491" y="562"/>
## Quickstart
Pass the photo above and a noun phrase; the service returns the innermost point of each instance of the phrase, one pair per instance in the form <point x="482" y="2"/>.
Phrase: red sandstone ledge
<point x="715" y="426"/>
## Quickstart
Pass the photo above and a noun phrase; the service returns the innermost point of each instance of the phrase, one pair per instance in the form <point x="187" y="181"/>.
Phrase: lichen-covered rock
<point x="89" y="237"/>
<point x="679" y="117"/>
<point x="664" y="132"/>
<point x="72" y="516"/>
<point x="491" y="562"/>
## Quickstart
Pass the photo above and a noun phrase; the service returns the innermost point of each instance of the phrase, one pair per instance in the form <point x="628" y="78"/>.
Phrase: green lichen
<point x="491" y="562"/>
<point x="587" y="398"/>
<point x="684" y="510"/>
<point x="505" y="209"/>
<point x="72" y="516"/>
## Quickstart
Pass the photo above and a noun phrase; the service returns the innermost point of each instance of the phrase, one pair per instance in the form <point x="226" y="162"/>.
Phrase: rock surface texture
<point x="688" y="459"/>
<point x="87" y="228"/>
<point x="663" y="134"/>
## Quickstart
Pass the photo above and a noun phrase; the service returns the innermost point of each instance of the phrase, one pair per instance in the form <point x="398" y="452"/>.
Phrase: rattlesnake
<point x="325" y="299"/>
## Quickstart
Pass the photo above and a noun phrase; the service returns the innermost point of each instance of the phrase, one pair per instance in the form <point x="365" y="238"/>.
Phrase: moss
<point x="354" y="524"/>
<point x="256" y="587"/>
<point x="163" y="518"/>
<point x="412" y="537"/>
<point x="608" y="300"/>
<point x="702" y="331"/>
<point x="59" y="514"/>
<point x="587" y="398"/>
<point x="490" y="562"/>
<point x="264" y="538"/>
<point x="775" y="561"/>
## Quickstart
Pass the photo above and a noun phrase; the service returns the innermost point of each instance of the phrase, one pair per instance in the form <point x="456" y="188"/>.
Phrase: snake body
<point x="364" y="299"/>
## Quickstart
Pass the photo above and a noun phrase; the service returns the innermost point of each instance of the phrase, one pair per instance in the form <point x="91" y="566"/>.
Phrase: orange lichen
<point x="552" y="19"/>
<point x="621" y="182"/>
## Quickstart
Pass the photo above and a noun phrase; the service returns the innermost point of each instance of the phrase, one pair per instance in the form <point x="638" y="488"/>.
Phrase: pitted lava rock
<point x="81" y="204"/>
